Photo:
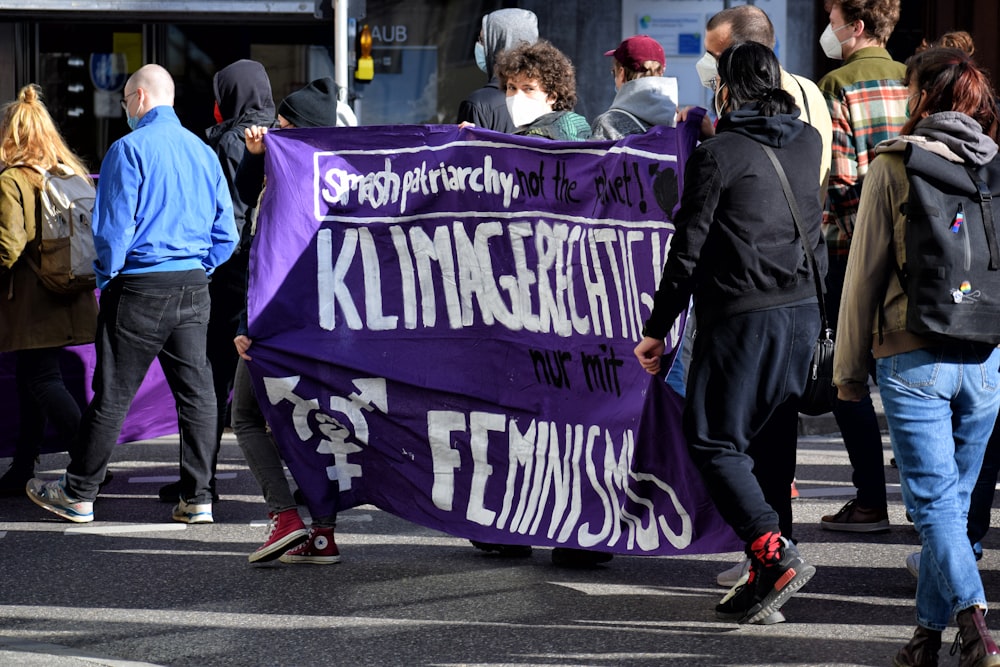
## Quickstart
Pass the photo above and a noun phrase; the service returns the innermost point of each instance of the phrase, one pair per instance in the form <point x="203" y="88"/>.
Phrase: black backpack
<point x="951" y="276"/>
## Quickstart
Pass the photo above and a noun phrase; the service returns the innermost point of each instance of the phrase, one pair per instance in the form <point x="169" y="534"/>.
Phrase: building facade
<point x="81" y="52"/>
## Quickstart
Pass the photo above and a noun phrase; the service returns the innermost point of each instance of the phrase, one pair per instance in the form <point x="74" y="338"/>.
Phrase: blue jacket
<point x="163" y="203"/>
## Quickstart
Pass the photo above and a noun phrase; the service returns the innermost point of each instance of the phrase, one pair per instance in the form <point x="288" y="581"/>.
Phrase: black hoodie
<point x="736" y="248"/>
<point x="243" y="92"/>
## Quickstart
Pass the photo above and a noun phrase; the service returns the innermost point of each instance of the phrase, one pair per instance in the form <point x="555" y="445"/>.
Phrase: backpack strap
<point x="642" y="126"/>
<point x="989" y="223"/>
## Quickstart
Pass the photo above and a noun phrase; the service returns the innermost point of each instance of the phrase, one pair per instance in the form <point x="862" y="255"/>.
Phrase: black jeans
<point x="856" y="419"/>
<point x="43" y="397"/>
<point x="142" y="319"/>
<point x="741" y="412"/>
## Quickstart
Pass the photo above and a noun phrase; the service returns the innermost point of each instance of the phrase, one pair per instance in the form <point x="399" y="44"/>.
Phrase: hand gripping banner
<point x="443" y="322"/>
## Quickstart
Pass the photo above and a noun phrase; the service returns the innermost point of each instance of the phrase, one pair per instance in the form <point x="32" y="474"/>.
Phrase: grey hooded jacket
<point x="639" y="104"/>
<point x="502" y="29"/>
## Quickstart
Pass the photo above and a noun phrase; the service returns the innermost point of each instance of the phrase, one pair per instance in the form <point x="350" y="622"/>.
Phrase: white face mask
<point x="833" y="47"/>
<point x="718" y="103"/>
<point x="708" y="70"/>
<point x="526" y="110"/>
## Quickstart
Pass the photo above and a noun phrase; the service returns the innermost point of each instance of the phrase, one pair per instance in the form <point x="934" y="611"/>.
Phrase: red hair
<point x="951" y="81"/>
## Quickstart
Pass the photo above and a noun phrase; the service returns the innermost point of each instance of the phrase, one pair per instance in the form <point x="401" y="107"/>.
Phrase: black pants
<point x="142" y="319"/>
<point x="746" y="375"/>
<point x="856" y="419"/>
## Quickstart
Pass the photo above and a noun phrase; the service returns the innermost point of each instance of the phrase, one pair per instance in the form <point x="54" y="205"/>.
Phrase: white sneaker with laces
<point x="53" y="497"/>
<point x="193" y="512"/>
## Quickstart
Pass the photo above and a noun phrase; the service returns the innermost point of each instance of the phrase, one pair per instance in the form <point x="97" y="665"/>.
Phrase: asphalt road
<point x="135" y="588"/>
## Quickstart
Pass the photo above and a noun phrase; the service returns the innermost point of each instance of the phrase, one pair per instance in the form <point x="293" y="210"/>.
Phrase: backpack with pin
<point x="951" y="275"/>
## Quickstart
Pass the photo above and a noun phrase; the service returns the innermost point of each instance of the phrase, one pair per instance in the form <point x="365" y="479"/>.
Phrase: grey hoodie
<point x="644" y="101"/>
<point x="950" y="134"/>
<point x="502" y="29"/>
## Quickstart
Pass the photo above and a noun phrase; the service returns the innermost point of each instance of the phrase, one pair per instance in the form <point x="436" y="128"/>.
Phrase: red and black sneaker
<point x="776" y="573"/>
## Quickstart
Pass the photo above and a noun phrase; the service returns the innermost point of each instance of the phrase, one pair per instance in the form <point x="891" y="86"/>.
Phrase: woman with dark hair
<point x="940" y="398"/>
<point x="738" y="252"/>
<point x="541" y="92"/>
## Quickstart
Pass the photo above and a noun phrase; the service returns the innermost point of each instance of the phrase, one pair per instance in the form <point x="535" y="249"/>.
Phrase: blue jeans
<point x="142" y="319"/>
<point x="941" y="404"/>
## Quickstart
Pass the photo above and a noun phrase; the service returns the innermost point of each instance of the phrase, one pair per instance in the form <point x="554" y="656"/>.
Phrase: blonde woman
<point x="34" y="321"/>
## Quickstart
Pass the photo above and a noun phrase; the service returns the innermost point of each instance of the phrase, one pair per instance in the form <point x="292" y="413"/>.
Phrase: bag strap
<point x="797" y="217"/>
<point x="986" y="204"/>
<point x="805" y="98"/>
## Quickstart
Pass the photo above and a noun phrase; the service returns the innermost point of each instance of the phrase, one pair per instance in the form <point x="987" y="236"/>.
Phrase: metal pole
<point x="340" y="47"/>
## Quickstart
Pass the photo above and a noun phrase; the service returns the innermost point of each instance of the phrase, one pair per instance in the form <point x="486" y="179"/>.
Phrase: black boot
<point x="922" y="651"/>
<point x="974" y="640"/>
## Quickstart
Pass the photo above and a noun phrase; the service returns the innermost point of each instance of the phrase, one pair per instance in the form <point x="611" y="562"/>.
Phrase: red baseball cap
<point x="636" y="50"/>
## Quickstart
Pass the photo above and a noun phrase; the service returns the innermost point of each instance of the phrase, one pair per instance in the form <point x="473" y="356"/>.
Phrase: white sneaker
<point x="913" y="564"/>
<point x="53" y="497"/>
<point x="193" y="513"/>
<point x="734" y="576"/>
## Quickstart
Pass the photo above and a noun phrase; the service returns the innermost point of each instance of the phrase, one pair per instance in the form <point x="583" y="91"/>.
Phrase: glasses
<point x="125" y="100"/>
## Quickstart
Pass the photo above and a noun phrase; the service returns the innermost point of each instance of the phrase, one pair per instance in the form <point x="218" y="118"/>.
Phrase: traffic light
<point x="366" y="65"/>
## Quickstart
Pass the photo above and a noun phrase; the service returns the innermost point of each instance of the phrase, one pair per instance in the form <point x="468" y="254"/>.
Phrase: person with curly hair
<point x="541" y="92"/>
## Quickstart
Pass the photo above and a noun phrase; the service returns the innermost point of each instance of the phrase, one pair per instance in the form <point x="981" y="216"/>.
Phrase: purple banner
<point x="443" y="323"/>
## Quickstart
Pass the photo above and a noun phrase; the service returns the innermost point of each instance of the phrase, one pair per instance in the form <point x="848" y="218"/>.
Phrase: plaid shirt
<point x="867" y="101"/>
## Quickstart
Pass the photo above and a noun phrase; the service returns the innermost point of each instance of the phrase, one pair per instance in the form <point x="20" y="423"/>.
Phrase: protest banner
<point x="443" y="322"/>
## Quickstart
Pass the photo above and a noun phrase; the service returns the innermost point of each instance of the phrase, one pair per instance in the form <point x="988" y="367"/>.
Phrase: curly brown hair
<point x="545" y="63"/>
<point x="879" y="16"/>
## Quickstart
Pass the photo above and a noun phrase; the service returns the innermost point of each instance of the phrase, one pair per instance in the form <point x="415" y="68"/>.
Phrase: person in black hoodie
<point x="502" y="30"/>
<point x="242" y="99"/>
<point x="737" y="251"/>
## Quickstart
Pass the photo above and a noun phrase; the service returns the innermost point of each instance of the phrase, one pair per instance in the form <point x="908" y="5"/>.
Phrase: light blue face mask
<point x="481" y="56"/>
<point x="133" y="121"/>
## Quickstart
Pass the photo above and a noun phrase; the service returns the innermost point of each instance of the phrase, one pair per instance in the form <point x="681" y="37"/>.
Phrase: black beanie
<point x="314" y="105"/>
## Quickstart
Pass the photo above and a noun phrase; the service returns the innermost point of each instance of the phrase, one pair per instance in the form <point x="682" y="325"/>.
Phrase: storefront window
<point x="423" y="53"/>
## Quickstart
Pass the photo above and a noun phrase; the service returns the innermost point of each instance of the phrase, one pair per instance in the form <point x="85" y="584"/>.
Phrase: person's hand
<point x="464" y="124"/>
<point x="852" y="391"/>
<point x="707" y="126"/>
<point x="242" y="344"/>
<point x="254" y="137"/>
<point x="649" y="352"/>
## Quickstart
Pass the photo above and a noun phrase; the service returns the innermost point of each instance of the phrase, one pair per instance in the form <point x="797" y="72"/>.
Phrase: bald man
<point x="163" y="221"/>
<point x="749" y="23"/>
